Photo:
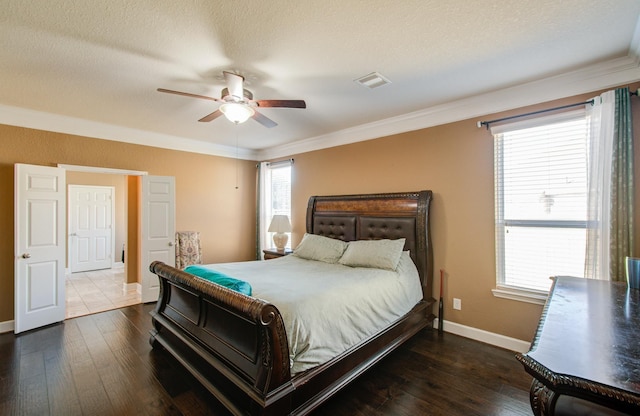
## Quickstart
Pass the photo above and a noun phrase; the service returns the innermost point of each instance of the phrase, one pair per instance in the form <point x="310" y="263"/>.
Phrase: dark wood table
<point x="274" y="253"/>
<point x="585" y="356"/>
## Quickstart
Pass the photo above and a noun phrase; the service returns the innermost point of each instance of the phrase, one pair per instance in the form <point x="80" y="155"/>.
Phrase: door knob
<point x="26" y="256"/>
<point x="170" y="243"/>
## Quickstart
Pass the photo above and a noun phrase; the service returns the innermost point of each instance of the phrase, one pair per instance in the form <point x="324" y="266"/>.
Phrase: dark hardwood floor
<point x="102" y="364"/>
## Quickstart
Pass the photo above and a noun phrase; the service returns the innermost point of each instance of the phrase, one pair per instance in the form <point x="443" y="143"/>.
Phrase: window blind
<point x="281" y="189"/>
<point x="541" y="200"/>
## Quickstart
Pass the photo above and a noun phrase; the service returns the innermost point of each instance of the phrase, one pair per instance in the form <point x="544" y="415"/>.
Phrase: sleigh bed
<point x="236" y="345"/>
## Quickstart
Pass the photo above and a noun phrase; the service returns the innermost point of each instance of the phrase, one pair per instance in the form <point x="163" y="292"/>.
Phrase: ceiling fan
<point x="238" y="103"/>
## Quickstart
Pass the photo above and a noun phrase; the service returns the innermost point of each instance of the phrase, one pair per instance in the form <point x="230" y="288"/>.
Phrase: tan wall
<point x="134" y="231"/>
<point x="455" y="161"/>
<point x="206" y="198"/>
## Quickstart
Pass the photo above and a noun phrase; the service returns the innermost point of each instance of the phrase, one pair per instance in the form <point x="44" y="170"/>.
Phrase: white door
<point x="40" y="246"/>
<point x="91" y="227"/>
<point x="158" y="230"/>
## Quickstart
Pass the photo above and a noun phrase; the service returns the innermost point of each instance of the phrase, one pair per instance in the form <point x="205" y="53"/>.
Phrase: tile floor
<point x="98" y="291"/>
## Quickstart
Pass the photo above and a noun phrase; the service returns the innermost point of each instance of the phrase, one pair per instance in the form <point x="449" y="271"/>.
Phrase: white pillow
<point x="317" y="247"/>
<point x="379" y="254"/>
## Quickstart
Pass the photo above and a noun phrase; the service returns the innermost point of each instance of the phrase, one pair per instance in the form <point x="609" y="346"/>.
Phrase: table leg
<point x="542" y="399"/>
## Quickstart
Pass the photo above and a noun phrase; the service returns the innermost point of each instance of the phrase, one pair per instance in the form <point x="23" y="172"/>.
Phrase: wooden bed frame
<point x="236" y="345"/>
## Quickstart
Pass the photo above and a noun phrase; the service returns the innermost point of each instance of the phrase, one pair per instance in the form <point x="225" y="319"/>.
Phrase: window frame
<point x="267" y="211"/>
<point x="502" y="289"/>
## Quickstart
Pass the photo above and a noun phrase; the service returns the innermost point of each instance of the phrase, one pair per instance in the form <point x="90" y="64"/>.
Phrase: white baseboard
<point x="130" y="286"/>
<point x="508" y="343"/>
<point x="6" y="326"/>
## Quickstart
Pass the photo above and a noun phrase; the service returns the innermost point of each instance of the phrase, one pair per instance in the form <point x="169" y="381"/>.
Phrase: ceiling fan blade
<point x="186" y="94"/>
<point x="264" y="120"/>
<point x="282" y="103"/>
<point x="211" y="116"/>
<point x="235" y="85"/>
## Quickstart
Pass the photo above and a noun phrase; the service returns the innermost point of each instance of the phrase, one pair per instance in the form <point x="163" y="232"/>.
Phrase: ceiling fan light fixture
<point x="237" y="112"/>
<point x="237" y="103"/>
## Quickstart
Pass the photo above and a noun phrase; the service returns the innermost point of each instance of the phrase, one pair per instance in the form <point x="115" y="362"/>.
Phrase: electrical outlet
<point x="457" y="304"/>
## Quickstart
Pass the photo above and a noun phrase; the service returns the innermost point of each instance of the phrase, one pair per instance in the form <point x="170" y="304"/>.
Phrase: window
<point x="275" y="197"/>
<point x="541" y="202"/>
<point x="281" y="190"/>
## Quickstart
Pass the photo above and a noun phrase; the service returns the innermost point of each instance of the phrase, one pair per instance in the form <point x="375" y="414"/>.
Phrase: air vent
<point x="372" y="80"/>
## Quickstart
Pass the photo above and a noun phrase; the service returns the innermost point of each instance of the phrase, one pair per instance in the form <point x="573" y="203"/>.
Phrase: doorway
<point x="97" y="229"/>
<point x="147" y="204"/>
<point x="40" y="241"/>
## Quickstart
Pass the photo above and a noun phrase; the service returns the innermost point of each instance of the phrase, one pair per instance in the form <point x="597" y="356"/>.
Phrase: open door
<point x="158" y="230"/>
<point x="40" y="212"/>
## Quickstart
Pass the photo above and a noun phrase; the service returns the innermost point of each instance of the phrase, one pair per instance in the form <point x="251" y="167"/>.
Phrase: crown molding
<point x="592" y="78"/>
<point x="597" y="77"/>
<point x="23" y="117"/>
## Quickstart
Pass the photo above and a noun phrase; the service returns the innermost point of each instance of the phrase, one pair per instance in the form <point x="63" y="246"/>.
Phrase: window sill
<point x="537" y="297"/>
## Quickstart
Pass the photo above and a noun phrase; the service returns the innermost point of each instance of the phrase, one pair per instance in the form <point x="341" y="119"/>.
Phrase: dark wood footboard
<point x="235" y="345"/>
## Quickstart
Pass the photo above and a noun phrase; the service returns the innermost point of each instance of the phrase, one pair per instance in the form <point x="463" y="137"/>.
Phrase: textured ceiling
<point x="93" y="67"/>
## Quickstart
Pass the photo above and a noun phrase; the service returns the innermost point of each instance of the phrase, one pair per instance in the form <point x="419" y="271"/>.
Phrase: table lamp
<point x="280" y="225"/>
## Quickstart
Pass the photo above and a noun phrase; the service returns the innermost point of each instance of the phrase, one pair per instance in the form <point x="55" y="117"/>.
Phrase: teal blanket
<point x="220" y="278"/>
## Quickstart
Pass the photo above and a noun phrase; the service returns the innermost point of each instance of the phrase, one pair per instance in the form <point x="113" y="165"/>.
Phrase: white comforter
<point x="328" y="308"/>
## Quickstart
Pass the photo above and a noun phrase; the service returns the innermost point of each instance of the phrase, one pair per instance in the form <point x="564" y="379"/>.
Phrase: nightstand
<point x="274" y="253"/>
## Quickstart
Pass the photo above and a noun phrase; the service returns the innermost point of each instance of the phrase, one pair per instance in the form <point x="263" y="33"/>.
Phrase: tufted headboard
<point x="378" y="216"/>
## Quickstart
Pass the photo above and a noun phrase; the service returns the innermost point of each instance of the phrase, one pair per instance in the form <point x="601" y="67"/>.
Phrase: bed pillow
<point x="379" y="254"/>
<point x="317" y="247"/>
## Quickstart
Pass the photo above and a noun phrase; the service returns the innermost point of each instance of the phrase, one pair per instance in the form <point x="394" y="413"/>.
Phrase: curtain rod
<point x="281" y="162"/>
<point x="487" y="123"/>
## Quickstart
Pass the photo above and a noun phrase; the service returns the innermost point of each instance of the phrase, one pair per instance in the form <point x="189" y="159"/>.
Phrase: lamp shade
<point x="237" y="112"/>
<point x="280" y="224"/>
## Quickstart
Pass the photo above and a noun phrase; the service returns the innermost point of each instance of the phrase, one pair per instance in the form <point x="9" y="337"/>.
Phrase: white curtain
<point x="601" y="134"/>
<point x="264" y="207"/>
